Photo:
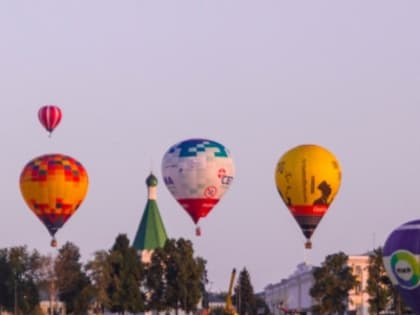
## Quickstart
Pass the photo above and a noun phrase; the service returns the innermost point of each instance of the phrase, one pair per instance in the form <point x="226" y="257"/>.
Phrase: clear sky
<point x="135" y="77"/>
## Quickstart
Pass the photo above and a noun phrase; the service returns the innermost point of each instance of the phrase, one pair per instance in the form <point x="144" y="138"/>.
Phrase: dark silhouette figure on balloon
<point x="325" y="189"/>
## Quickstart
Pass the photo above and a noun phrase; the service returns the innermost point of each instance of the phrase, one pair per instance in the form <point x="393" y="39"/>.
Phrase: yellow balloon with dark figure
<point x="53" y="186"/>
<point x="308" y="178"/>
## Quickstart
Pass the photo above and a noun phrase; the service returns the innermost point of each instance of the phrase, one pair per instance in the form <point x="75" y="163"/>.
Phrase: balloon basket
<point x="197" y="231"/>
<point x="308" y="245"/>
<point x="54" y="242"/>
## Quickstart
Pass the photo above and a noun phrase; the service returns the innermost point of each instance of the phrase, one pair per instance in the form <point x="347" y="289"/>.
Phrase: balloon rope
<point x="306" y="252"/>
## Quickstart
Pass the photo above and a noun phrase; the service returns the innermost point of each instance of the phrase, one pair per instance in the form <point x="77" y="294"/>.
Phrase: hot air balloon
<point x="197" y="172"/>
<point x="50" y="117"/>
<point x="308" y="178"/>
<point x="401" y="257"/>
<point x="53" y="186"/>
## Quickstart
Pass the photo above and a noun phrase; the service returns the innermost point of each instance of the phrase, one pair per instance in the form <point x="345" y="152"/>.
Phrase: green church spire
<point x="151" y="233"/>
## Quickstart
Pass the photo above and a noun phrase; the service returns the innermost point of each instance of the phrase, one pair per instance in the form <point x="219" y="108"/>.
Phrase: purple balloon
<point x="401" y="257"/>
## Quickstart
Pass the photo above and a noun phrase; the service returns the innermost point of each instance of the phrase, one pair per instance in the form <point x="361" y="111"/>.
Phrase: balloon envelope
<point x="401" y="257"/>
<point x="53" y="186"/>
<point x="49" y="116"/>
<point x="307" y="178"/>
<point x="197" y="172"/>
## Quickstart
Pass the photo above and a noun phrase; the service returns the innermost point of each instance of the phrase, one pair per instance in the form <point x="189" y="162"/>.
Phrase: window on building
<point x="358" y="272"/>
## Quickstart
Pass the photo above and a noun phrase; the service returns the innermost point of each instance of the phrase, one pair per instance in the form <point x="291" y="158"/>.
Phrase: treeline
<point x="175" y="279"/>
<point x="114" y="279"/>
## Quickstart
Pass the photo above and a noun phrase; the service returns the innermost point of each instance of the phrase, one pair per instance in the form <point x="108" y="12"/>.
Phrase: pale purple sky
<point x="135" y="77"/>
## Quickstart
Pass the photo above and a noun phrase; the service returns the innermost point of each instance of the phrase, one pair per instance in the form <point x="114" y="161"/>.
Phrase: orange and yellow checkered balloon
<point x="53" y="186"/>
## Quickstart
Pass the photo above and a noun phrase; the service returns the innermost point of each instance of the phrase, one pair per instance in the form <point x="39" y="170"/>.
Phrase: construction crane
<point x="229" y="309"/>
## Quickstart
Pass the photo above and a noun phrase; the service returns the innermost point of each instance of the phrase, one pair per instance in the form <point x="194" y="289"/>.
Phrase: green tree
<point x="332" y="282"/>
<point x="155" y="283"/>
<point x="46" y="277"/>
<point x="126" y="276"/>
<point x="203" y="282"/>
<point x="244" y="294"/>
<point x="175" y="278"/>
<point x="6" y="280"/>
<point x="382" y="293"/>
<point x="72" y="283"/>
<point x="183" y="275"/>
<point x="378" y="284"/>
<point x="99" y="271"/>
<point x="18" y="289"/>
<point x="202" y="275"/>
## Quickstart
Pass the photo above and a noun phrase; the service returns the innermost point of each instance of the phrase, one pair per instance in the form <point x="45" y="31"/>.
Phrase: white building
<point x="359" y="296"/>
<point x="293" y="293"/>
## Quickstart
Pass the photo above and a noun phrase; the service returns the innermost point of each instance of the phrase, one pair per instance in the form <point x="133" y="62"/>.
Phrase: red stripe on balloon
<point x="313" y="210"/>
<point x="198" y="207"/>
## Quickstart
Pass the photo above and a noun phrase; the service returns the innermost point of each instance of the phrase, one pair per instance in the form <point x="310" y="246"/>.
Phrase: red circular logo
<point x="210" y="191"/>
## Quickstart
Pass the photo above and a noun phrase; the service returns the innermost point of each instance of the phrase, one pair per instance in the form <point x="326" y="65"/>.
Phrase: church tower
<point x="151" y="233"/>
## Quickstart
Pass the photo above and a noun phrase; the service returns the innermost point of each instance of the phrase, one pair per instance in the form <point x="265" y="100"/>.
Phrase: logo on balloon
<point x="405" y="266"/>
<point x="210" y="192"/>
<point x="168" y="180"/>
<point x="226" y="180"/>
<point x="221" y="173"/>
